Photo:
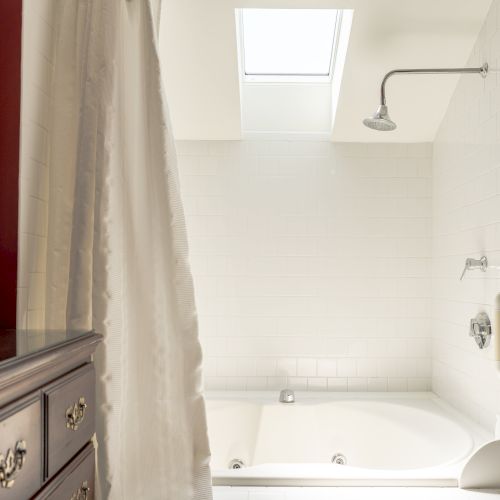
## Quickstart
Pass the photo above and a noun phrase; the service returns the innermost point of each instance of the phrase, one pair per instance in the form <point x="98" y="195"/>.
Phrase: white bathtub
<point x="399" y="439"/>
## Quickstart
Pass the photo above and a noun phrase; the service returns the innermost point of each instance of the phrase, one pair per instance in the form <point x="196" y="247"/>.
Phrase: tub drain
<point x="339" y="459"/>
<point x="236" y="463"/>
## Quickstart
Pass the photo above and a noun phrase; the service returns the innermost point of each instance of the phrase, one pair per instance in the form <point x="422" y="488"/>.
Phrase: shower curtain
<point x="117" y="250"/>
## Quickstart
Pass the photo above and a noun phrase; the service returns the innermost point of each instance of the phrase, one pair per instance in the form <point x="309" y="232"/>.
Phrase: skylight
<point x="285" y="43"/>
<point x="290" y="64"/>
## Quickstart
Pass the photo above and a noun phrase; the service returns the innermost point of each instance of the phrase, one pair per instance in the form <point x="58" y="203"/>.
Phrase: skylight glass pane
<point x="288" y="41"/>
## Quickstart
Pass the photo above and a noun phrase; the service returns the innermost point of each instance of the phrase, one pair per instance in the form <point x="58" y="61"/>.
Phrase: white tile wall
<point x="466" y="215"/>
<point x="311" y="263"/>
<point x="37" y="54"/>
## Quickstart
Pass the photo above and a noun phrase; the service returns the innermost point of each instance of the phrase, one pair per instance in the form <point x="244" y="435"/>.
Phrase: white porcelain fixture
<point x="391" y="439"/>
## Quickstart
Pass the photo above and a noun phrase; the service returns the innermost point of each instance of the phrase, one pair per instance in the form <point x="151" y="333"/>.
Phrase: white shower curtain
<point x="117" y="251"/>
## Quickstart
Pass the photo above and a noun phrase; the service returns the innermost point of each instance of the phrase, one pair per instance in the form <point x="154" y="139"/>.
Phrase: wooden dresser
<point x="47" y="415"/>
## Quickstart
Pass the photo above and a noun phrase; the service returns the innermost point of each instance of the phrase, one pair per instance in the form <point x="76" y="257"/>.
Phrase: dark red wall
<point x="10" y="98"/>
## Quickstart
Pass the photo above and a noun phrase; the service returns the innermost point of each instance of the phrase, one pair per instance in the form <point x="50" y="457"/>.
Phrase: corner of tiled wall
<point x="466" y="215"/>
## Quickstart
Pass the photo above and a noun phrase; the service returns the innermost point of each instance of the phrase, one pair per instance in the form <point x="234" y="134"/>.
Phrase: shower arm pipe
<point x="483" y="70"/>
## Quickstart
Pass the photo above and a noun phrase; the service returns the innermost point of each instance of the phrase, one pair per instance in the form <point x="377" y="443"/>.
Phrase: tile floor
<point x="344" y="493"/>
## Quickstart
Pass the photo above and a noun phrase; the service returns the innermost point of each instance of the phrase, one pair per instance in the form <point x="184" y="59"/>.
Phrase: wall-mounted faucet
<point x="287" y="396"/>
<point x="471" y="264"/>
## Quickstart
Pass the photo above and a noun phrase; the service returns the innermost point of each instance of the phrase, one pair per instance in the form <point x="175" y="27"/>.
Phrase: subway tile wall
<point x="466" y="219"/>
<point x="311" y="263"/>
<point x="37" y="59"/>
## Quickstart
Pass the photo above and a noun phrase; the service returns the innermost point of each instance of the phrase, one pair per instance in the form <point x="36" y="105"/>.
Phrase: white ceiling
<point x="199" y="54"/>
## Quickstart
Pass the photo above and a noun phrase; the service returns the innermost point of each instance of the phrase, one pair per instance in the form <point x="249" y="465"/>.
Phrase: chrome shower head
<point x="380" y="120"/>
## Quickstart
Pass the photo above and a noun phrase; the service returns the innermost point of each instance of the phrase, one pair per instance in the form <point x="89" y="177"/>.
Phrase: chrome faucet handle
<point x="464" y="271"/>
<point x="470" y="264"/>
<point x="480" y="330"/>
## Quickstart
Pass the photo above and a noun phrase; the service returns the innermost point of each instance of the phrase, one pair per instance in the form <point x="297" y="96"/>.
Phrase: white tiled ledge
<point x="347" y="493"/>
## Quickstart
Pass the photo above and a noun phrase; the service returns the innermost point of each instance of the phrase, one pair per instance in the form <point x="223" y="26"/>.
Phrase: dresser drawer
<point x="69" y="416"/>
<point x="76" y="481"/>
<point x="21" y="448"/>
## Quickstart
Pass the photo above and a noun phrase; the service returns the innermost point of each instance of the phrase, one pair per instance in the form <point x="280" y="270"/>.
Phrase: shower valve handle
<point x="470" y="264"/>
<point x="480" y="330"/>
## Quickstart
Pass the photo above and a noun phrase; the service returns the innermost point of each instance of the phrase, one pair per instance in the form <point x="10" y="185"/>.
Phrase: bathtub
<point x="389" y="439"/>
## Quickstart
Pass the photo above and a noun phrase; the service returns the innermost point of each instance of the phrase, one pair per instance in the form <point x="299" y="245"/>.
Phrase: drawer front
<point x="75" y="482"/>
<point x="70" y="416"/>
<point x="21" y="448"/>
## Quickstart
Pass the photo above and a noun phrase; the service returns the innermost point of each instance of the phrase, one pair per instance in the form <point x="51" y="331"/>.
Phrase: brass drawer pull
<point x="11" y="464"/>
<point x="82" y="492"/>
<point x="75" y="414"/>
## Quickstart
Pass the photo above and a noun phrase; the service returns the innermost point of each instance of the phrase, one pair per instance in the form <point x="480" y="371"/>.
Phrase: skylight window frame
<point x="267" y="78"/>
